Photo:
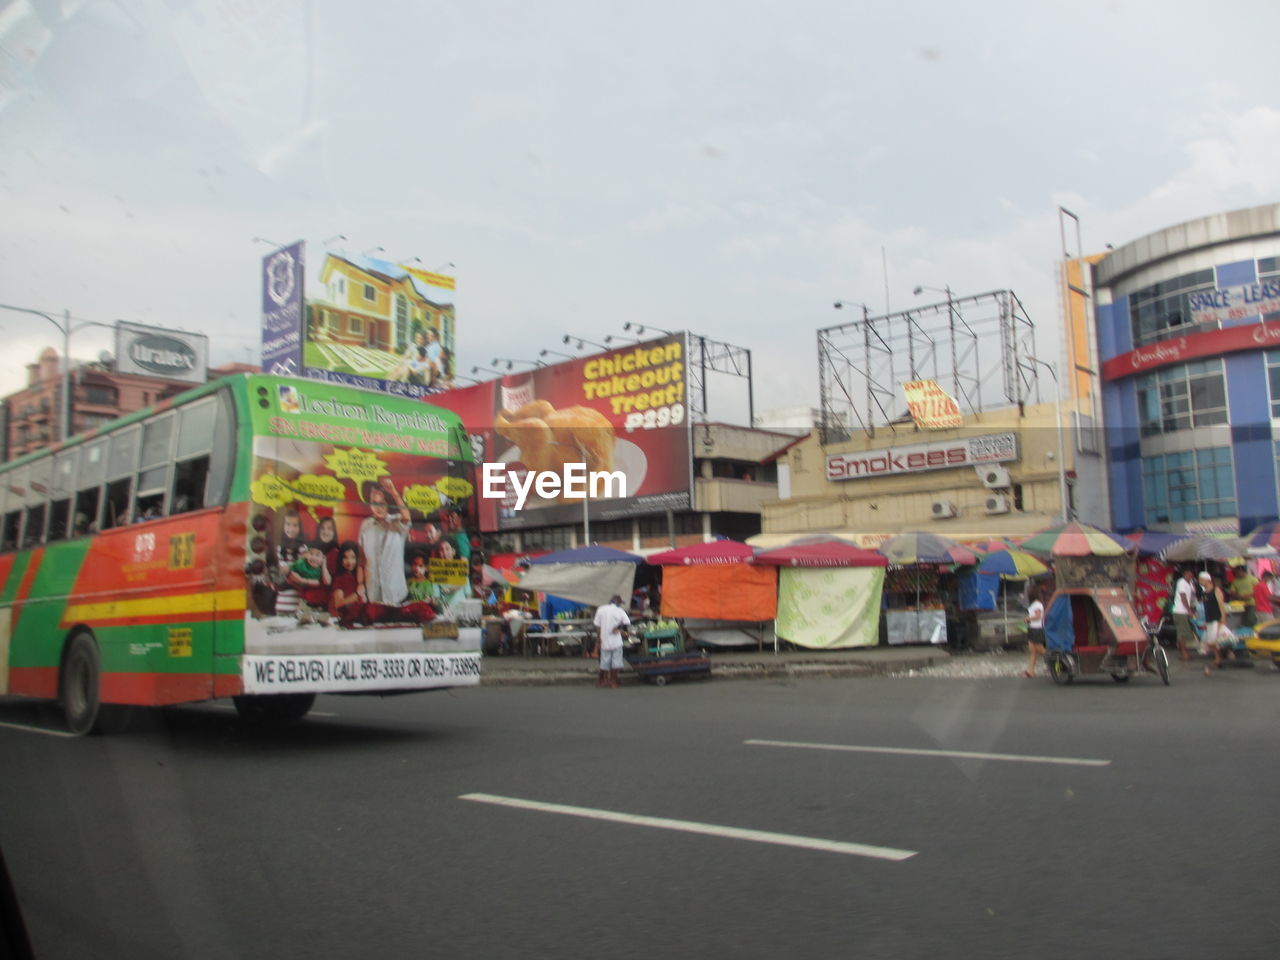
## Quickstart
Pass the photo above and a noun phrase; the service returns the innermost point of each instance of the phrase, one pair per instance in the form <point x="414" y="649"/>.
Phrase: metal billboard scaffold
<point x="981" y="347"/>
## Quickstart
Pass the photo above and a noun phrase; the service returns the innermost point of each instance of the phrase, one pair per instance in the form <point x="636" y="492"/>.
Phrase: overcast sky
<point x="730" y="168"/>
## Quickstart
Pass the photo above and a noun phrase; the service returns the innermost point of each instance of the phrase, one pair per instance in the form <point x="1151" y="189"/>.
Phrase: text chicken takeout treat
<point x="549" y="438"/>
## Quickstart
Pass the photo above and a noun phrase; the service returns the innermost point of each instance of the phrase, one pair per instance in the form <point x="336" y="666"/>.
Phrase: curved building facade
<point x="1188" y="339"/>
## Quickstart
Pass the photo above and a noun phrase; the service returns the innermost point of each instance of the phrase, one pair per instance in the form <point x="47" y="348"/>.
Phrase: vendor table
<point x="912" y="625"/>
<point x="543" y="636"/>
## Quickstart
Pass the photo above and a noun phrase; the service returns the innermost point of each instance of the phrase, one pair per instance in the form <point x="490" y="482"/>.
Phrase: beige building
<point x="1000" y="473"/>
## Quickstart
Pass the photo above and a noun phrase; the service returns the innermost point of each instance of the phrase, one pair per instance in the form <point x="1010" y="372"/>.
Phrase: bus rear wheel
<point x="78" y="683"/>
<point x="274" y="707"/>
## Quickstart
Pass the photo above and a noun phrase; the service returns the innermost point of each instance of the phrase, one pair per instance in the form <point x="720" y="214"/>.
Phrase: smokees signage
<point x="620" y="416"/>
<point x="916" y="458"/>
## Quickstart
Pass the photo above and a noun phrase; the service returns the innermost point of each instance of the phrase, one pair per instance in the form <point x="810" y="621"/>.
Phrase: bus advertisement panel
<point x="621" y="415"/>
<point x="365" y="504"/>
<point x="258" y="538"/>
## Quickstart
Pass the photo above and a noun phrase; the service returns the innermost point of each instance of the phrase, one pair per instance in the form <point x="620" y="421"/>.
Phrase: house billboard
<point x="359" y="321"/>
<point x="380" y="325"/>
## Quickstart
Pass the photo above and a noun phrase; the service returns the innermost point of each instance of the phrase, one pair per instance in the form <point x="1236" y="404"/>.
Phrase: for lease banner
<point x="1233" y="304"/>
<point x="932" y="408"/>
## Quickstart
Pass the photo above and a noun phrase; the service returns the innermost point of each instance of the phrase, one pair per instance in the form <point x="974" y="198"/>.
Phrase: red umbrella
<point x="712" y="552"/>
<point x="832" y="553"/>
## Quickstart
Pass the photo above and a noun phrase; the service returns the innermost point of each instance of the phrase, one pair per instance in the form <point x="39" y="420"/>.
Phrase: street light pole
<point x="64" y="414"/>
<point x="66" y="328"/>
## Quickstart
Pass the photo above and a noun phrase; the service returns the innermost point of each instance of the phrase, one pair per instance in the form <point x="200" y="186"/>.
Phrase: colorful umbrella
<point x="906" y="549"/>
<point x="1206" y="547"/>
<point x="1012" y="565"/>
<point x="1267" y="535"/>
<point x="992" y="546"/>
<point x="715" y="552"/>
<point x="1077" y="539"/>
<point x="1151" y="544"/>
<point x="591" y="553"/>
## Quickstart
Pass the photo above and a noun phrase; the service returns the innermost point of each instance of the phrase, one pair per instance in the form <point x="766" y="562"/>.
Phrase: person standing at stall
<point x="1262" y="597"/>
<point x="1184" y="608"/>
<point x="1242" y="586"/>
<point x="610" y="622"/>
<point x="1216" y="634"/>
<point x="1035" y="632"/>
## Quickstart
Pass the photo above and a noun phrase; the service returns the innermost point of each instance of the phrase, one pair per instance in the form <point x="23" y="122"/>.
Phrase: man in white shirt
<point x="1184" y="608"/>
<point x="611" y="622"/>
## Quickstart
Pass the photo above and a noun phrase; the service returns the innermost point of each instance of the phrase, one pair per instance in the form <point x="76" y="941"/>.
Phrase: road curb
<point x="724" y="671"/>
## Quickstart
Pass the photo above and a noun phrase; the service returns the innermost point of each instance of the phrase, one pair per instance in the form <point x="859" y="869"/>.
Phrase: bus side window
<point x="117" y="512"/>
<point x="12" y="523"/>
<point x="33" y="532"/>
<point x="148" y="508"/>
<point x="59" y="514"/>
<point x="86" y="516"/>
<point x="189" y="482"/>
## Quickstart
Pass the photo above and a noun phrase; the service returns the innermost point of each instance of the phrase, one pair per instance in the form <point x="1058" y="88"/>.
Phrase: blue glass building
<point x="1188" y="339"/>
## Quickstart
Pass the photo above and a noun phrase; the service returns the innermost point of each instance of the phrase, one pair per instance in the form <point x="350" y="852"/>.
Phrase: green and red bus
<point x="198" y="549"/>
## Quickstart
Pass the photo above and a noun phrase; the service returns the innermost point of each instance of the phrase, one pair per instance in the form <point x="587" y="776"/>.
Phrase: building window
<point x="370" y="293"/>
<point x="1181" y="397"/>
<point x="1269" y="269"/>
<point x="546" y="538"/>
<point x="355" y="324"/>
<point x="100" y="395"/>
<point x="402" y="321"/>
<point x="1273" y="378"/>
<point x="1193" y="485"/>
<point x="1160" y="311"/>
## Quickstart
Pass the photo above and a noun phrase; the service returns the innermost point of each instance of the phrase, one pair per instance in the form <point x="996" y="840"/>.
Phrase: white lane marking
<point x="44" y="730"/>
<point x="692" y="826"/>
<point x="910" y="752"/>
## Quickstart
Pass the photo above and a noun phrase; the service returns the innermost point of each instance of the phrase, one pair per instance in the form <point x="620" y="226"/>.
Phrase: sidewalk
<point x="725" y="665"/>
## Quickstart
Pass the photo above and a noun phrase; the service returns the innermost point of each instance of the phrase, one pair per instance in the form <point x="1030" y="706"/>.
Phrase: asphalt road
<point x="347" y="835"/>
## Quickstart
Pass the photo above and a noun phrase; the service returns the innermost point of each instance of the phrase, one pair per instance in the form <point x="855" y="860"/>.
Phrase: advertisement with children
<point x="374" y="538"/>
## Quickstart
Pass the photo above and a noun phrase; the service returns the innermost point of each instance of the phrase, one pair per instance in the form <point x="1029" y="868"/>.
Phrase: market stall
<point x="720" y="594"/>
<point x="920" y="590"/>
<point x="717" y="581"/>
<point x="588" y="575"/>
<point x="828" y="594"/>
<point x="1011" y="566"/>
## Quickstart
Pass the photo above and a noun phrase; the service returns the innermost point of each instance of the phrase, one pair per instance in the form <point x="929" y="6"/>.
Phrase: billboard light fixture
<point x="639" y="329"/>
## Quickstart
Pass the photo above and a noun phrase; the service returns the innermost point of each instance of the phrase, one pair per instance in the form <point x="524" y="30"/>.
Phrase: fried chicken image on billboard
<point x="549" y="438"/>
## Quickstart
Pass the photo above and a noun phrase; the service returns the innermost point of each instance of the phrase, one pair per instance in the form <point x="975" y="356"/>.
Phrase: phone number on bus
<point x="336" y="674"/>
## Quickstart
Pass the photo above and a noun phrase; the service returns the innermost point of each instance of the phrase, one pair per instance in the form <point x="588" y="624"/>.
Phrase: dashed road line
<point x="912" y="752"/>
<point x="692" y="826"/>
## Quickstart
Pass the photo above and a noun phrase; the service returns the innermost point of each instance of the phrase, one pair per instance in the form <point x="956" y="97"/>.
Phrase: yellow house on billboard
<point x="361" y="306"/>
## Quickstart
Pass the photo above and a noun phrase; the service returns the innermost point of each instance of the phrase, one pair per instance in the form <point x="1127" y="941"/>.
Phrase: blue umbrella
<point x="592" y="553"/>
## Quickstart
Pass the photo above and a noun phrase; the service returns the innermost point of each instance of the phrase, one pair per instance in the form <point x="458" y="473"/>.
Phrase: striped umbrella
<point x="994" y="545"/>
<point x="1012" y="565"/>
<point x="907" y="549"/>
<point x="1077" y="539"/>
<point x="1267" y="535"/>
<point x="1206" y="547"/>
<point x="1152" y="544"/>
